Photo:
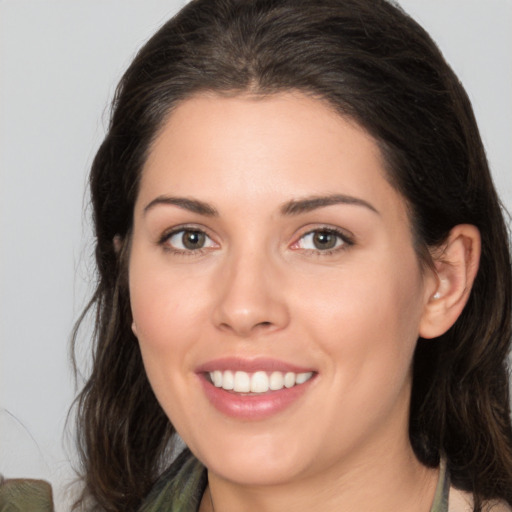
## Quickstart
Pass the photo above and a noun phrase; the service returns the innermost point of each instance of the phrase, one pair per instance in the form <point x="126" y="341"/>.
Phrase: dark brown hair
<point x="375" y="65"/>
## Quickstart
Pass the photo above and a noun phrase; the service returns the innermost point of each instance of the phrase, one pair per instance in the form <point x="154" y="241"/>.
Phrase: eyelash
<point x="346" y="241"/>
<point x="166" y="236"/>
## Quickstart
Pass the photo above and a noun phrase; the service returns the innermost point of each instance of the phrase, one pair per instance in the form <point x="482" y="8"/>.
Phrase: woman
<point x="303" y="272"/>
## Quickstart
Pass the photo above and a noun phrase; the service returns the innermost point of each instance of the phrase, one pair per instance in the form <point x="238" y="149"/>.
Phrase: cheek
<point x="166" y="306"/>
<point x="166" y="310"/>
<point x="371" y="318"/>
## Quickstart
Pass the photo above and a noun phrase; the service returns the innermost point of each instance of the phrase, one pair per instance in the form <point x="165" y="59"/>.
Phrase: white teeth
<point x="228" y="380"/>
<point x="303" y="377"/>
<point x="289" y="380"/>
<point x="217" y="378"/>
<point x="242" y="382"/>
<point x="258" y="382"/>
<point x="276" y="381"/>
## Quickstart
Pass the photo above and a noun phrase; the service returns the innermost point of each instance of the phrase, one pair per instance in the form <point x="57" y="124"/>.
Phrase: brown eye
<point x="193" y="239"/>
<point x="186" y="240"/>
<point x="323" y="240"/>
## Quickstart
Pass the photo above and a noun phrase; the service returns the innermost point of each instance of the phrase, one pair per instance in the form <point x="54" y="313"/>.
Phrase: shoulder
<point x="460" y="501"/>
<point x="25" y="495"/>
<point x="180" y="487"/>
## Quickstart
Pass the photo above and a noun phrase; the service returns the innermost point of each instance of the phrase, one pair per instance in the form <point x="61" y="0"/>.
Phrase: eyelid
<point x="345" y="236"/>
<point x="168" y="233"/>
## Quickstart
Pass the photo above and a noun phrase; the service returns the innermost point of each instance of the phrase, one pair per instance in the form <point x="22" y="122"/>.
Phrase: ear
<point x="134" y="328"/>
<point x="456" y="265"/>
<point x="117" y="242"/>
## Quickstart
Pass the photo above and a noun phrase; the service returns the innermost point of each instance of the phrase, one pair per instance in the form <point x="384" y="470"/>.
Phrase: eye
<point x="186" y="240"/>
<point x="323" y="240"/>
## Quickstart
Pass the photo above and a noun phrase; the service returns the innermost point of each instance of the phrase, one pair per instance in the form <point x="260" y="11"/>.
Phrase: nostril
<point x="246" y="330"/>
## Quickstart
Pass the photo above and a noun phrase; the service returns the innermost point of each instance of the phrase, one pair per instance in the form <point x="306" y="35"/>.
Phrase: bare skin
<point x="266" y="229"/>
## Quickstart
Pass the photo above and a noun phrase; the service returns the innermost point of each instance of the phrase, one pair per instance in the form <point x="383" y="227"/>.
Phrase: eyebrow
<point x="293" y="207"/>
<point x="192" y="205"/>
<point x="299" y="206"/>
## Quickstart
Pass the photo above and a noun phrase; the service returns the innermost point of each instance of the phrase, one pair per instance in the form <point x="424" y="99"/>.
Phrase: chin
<point x="255" y="460"/>
<point x="254" y="472"/>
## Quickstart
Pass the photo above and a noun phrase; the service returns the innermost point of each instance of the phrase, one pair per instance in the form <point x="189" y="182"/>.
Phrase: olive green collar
<point x="440" y="503"/>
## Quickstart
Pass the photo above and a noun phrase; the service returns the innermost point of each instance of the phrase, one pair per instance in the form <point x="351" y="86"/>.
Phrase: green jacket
<point x="23" y="495"/>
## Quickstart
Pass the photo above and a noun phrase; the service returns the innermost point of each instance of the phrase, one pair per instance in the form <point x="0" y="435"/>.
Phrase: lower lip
<point x="252" y="407"/>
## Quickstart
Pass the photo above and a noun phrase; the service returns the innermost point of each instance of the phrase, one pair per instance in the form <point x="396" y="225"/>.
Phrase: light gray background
<point x="59" y="63"/>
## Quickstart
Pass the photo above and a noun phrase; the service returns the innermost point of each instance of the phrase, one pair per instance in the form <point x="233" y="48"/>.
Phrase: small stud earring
<point x="436" y="296"/>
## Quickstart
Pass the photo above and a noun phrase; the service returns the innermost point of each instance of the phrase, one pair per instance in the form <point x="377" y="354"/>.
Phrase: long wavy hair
<point x="374" y="65"/>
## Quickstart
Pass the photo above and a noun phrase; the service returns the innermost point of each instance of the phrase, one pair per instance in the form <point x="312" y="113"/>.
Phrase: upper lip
<point x="251" y="365"/>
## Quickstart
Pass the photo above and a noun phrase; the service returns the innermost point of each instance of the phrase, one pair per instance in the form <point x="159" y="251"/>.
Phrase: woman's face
<point x="271" y="255"/>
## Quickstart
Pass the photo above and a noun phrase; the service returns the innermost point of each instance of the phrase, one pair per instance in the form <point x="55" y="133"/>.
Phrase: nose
<point x="250" y="296"/>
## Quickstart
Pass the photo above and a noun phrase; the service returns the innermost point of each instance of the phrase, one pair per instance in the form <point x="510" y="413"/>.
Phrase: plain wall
<point x="59" y="63"/>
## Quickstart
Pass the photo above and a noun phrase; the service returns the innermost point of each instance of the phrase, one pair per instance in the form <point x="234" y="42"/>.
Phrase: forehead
<point x="259" y="148"/>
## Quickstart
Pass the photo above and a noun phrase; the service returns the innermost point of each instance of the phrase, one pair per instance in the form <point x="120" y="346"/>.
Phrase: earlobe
<point x="117" y="242"/>
<point x="134" y="329"/>
<point x="456" y="265"/>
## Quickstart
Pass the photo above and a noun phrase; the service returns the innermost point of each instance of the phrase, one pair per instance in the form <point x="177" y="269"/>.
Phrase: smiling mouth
<point x="257" y="382"/>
